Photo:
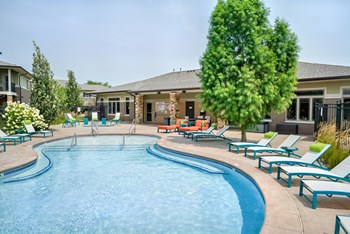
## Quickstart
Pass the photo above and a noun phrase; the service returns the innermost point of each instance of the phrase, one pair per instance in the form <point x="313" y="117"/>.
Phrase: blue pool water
<point x="101" y="187"/>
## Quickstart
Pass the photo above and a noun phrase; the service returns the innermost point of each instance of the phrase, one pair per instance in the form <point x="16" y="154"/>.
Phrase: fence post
<point x="317" y="118"/>
<point x="338" y="116"/>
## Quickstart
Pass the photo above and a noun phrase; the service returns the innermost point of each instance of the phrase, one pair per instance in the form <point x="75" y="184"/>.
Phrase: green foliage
<point x="90" y="82"/>
<point x="44" y="92"/>
<point x="16" y="113"/>
<point x="72" y="90"/>
<point x="340" y="142"/>
<point x="248" y="67"/>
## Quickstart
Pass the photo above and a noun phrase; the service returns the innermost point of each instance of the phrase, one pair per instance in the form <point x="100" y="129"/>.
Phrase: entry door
<point x="149" y="112"/>
<point x="346" y="112"/>
<point x="190" y="109"/>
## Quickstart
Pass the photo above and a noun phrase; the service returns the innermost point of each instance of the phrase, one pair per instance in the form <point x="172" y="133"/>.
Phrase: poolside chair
<point x="15" y="138"/>
<point x="264" y="142"/>
<point x="323" y="187"/>
<point x="199" y="125"/>
<point x="343" y="222"/>
<point x="104" y="123"/>
<point x="339" y="172"/>
<point x="31" y="131"/>
<point x="86" y="122"/>
<point x="283" y="148"/>
<point x="4" y="146"/>
<point x="94" y="116"/>
<point x="219" y="134"/>
<point x="191" y="134"/>
<point x="174" y="127"/>
<point x="69" y="120"/>
<point x="116" y="119"/>
<point x="308" y="158"/>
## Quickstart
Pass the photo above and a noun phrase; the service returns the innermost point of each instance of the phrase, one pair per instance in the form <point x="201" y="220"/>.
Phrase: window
<point x="87" y="95"/>
<point x="346" y="91"/>
<point x="113" y="105"/>
<point x="303" y="106"/>
<point x="127" y="106"/>
<point x="346" y="101"/>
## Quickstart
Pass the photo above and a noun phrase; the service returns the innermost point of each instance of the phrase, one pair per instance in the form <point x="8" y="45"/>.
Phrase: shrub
<point x="16" y="112"/>
<point x="340" y="142"/>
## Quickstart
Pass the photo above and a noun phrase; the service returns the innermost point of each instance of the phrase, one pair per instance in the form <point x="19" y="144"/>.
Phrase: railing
<point x="94" y="128"/>
<point x="132" y="128"/>
<point x="73" y="142"/>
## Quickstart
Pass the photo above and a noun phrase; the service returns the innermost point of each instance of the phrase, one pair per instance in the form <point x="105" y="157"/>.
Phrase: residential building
<point x="85" y="91"/>
<point x="15" y="84"/>
<point x="175" y="95"/>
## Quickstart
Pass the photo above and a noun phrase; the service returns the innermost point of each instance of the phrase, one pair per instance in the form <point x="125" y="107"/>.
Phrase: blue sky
<point x="119" y="41"/>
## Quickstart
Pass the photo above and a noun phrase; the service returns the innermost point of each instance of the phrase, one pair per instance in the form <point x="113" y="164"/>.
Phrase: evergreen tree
<point x="44" y="88"/>
<point x="242" y="69"/>
<point x="73" y="98"/>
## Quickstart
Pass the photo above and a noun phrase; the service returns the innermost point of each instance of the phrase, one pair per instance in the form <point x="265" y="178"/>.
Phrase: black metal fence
<point x="338" y="113"/>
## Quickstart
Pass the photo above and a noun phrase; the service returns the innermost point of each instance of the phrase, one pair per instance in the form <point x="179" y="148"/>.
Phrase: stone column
<point x="9" y="98"/>
<point x="174" y="106"/>
<point x="139" y="108"/>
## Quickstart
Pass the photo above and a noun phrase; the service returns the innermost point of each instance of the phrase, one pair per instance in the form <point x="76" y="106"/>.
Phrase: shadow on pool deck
<point x="285" y="211"/>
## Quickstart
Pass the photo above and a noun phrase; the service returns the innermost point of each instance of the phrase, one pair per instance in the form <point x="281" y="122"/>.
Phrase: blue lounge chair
<point x="116" y="118"/>
<point x="30" y="129"/>
<point x="283" y="148"/>
<point x="308" y="158"/>
<point x="343" y="222"/>
<point x="4" y="146"/>
<point x="264" y="142"/>
<point x="218" y="134"/>
<point x="193" y="133"/>
<point x="69" y="120"/>
<point x="340" y="172"/>
<point x="4" y="137"/>
<point x="322" y="187"/>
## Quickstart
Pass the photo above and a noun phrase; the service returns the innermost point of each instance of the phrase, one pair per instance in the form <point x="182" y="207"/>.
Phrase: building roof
<point x="187" y="80"/>
<point x="15" y="67"/>
<point x="316" y="71"/>
<point x="84" y="87"/>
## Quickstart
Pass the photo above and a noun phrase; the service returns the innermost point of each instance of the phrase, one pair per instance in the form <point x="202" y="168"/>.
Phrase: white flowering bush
<point x="16" y="113"/>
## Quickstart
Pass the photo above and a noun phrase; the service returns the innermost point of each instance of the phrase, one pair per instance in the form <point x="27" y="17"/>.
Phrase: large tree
<point x="44" y="92"/>
<point x="248" y="67"/>
<point x="73" y="98"/>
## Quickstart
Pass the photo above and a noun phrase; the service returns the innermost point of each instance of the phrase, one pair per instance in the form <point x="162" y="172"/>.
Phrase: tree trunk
<point x="243" y="135"/>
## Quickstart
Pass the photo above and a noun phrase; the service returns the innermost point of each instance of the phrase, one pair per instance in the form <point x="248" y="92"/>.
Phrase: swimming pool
<point x="103" y="186"/>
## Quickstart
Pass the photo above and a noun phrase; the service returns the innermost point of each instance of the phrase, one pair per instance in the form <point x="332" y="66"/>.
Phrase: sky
<point x="121" y="41"/>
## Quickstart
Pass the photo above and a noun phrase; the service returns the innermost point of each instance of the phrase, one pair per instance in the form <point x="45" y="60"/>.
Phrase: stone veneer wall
<point x="139" y="109"/>
<point x="174" y="106"/>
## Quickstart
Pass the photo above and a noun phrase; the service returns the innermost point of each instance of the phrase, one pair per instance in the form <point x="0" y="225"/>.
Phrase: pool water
<point x="106" y="188"/>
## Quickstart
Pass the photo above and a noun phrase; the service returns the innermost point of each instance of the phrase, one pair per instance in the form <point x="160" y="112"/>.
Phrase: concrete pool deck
<point x="285" y="211"/>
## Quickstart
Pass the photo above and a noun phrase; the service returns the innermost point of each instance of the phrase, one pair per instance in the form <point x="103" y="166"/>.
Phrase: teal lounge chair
<point x="194" y="133"/>
<point x="69" y="120"/>
<point x="116" y="118"/>
<point x="339" y="172"/>
<point x="322" y="187"/>
<point x="343" y="222"/>
<point x="218" y="134"/>
<point x="30" y="129"/>
<point x="283" y="148"/>
<point x="4" y="146"/>
<point x="308" y="158"/>
<point x="264" y="142"/>
<point x="15" y="138"/>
